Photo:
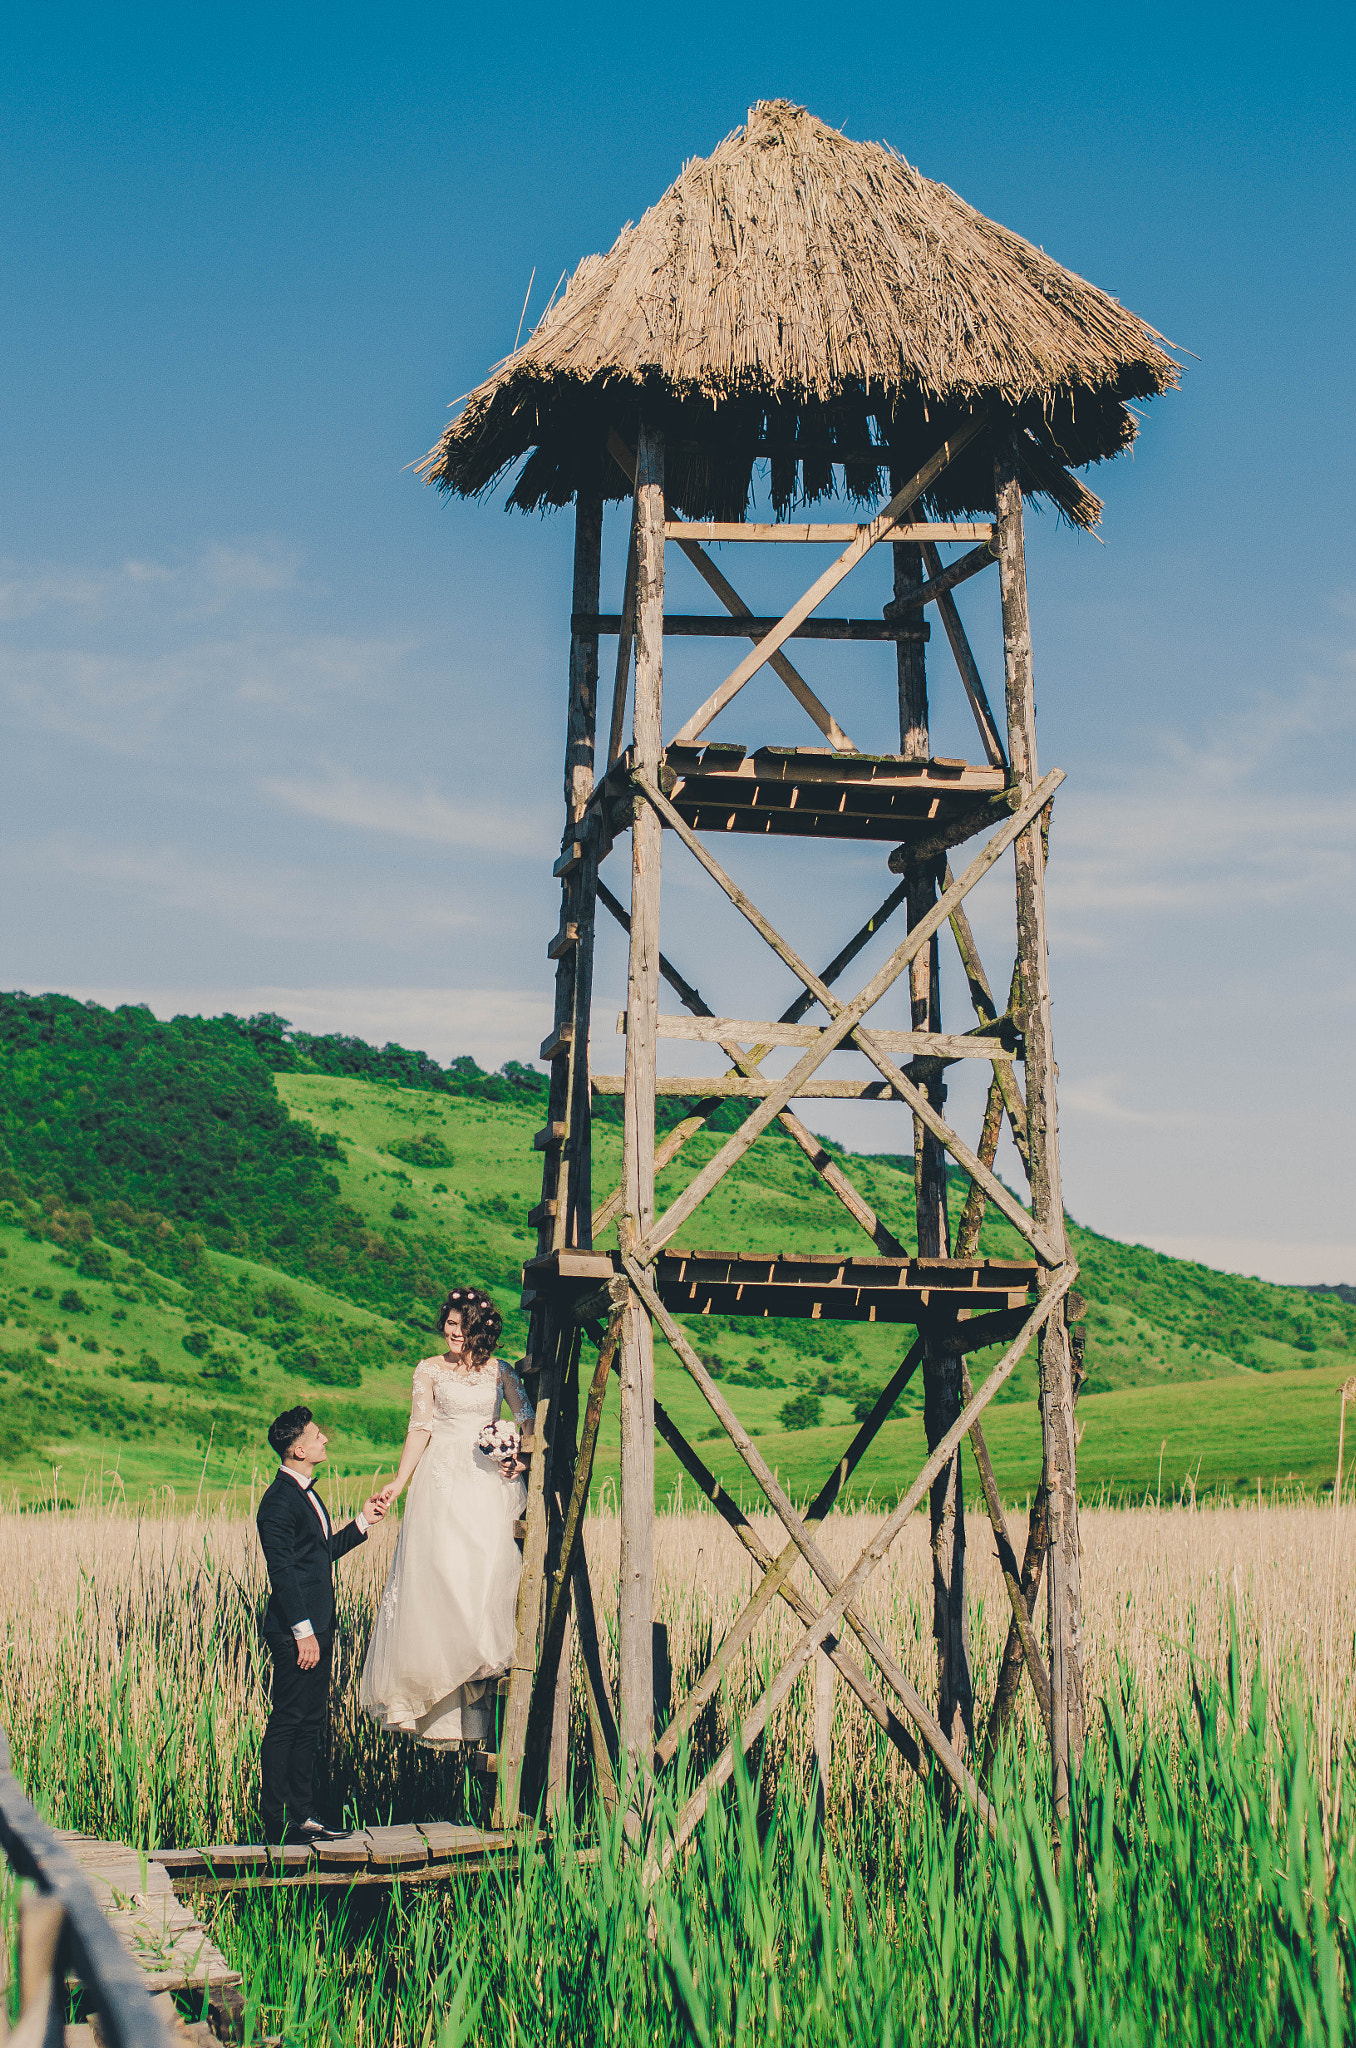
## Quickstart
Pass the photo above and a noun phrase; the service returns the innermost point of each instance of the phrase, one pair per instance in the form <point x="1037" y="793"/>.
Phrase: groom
<point x="300" y="1547"/>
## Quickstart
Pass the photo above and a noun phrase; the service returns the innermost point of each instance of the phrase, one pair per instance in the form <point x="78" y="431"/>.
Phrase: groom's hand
<point x="374" y="1509"/>
<point x="308" y="1653"/>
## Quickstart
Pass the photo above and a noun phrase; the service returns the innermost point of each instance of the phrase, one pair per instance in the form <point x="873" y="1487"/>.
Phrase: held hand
<point x="374" y="1509"/>
<point x="382" y="1501"/>
<point x="308" y="1653"/>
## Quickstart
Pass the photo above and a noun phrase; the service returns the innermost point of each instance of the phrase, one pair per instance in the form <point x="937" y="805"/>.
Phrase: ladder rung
<point x="543" y="1212"/>
<point x="569" y="859"/>
<point x="560" y="1040"/>
<point x="565" y="939"/>
<point x="548" y="1135"/>
<point x="520" y="1530"/>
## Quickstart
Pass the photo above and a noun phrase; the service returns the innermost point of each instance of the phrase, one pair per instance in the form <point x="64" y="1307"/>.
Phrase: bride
<point x="446" y="1626"/>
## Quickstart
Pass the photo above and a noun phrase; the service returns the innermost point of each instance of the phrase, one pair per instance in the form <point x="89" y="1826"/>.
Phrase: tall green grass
<point x="1204" y="1892"/>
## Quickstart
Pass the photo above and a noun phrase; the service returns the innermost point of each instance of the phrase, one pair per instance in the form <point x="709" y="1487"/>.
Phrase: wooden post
<point x="942" y="1362"/>
<point x="1056" y="1382"/>
<point x="636" y="1672"/>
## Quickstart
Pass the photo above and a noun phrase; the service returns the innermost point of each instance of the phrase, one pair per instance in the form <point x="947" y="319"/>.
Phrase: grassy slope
<point x="1174" y="1357"/>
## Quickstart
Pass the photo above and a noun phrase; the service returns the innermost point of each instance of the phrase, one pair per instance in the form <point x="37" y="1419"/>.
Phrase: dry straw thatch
<point x="811" y="300"/>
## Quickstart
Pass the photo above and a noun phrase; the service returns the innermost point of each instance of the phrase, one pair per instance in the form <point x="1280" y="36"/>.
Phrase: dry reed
<point x="134" y="1687"/>
<point x="783" y="294"/>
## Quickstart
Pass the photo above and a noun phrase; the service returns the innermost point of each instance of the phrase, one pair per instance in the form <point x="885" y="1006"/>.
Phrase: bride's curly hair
<point x="481" y="1322"/>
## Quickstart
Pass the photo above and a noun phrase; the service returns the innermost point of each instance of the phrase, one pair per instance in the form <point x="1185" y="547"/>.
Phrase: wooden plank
<point x="847" y="1019"/>
<point x="865" y="540"/>
<point x="977" y="1045"/>
<point x="349" y="1851"/>
<point x="711" y="626"/>
<point x="735" y="605"/>
<point x="173" y="1952"/>
<point x="709" y="530"/>
<point x="398" y="1848"/>
<point x="565" y="940"/>
<point x="1057" y="1426"/>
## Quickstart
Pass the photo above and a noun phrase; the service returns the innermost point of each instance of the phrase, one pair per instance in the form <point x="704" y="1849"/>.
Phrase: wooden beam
<point x="846" y="1020"/>
<point x="847" y="1588"/>
<point x="597" y="1698"/>
<point x="557" y="1340"/>
<point x="1009" y="1682"/>
<point x="752" y="1088"/>
<point x="1057" y="1426"/>
<point x="636" y="1668"/>
<point x="710" y="626"/>
<point x="856" y="531"/>
<point x="985" y="1044"/>
<point x="735" y="605"/>
<point x="866" y="538"/>
<point x="965" y="660"/>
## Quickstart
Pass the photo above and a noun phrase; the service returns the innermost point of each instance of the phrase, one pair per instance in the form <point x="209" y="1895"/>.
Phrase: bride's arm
<point x="417" y="1437"/>
<point x="512" y="1390"/>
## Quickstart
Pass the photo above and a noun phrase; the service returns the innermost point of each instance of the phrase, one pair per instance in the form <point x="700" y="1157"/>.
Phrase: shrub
<point x="802" y="1411"/>
<point x="427" y="1152"/>
<point x="95" y="1262"/>
<point x="306" y="1361"/>
<point x="47" y="1342"/>
<point x="90" y="1344"/>
<point x="71" y="1302"/>
<point x="197" y="1343"/>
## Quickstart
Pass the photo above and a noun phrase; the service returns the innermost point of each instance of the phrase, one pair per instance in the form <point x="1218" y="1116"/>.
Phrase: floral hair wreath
<point x="481" y="1321"/>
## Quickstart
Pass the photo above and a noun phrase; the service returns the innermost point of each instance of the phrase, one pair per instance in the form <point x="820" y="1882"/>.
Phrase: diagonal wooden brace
<point x="846" y="1022"/>
<point x="778" y="1569"/>
<point x="878" y="529"/>
<point x="871" y="1697"/>
<point x="846" y="1589"/>
<point x="702" y="1110"/>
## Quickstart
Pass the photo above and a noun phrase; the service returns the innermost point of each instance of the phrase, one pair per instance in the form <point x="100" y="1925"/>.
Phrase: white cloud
<point x="491" y="1024"/>
<point x="439" y="819"/>
<point x="1098" y="1097"/>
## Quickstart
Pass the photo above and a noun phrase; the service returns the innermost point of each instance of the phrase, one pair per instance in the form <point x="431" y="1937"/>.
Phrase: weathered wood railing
<point x="62" y="1930"/>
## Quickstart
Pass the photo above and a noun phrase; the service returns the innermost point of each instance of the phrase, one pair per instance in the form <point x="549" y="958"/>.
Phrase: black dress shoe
<point x="316" y="1831"/>
<point x="303" y="1838"/>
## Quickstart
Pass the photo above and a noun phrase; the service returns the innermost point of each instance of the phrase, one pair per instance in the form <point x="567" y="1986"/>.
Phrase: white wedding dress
<point x="446" y="1628"/>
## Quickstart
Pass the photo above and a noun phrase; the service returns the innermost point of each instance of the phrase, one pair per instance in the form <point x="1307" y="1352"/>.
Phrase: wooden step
<point x="565" y="941"/>
<point x="549" y="1135"/>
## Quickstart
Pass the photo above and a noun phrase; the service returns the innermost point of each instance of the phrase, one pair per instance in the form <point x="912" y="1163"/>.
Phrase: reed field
<point x="1207" y="1890"/>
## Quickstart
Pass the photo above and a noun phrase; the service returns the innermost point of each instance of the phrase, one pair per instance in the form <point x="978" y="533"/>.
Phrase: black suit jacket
<point x="300" y="1556"/>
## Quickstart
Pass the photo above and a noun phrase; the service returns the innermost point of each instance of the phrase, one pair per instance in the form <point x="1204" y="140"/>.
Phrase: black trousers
<point x="287" y="1758"/>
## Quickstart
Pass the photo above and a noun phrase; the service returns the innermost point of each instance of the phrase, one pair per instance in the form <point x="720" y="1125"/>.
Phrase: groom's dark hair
<point x="283" y="1433"/>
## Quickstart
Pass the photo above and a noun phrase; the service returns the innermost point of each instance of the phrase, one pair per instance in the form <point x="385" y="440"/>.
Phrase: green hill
<point x="202" y="1222"/>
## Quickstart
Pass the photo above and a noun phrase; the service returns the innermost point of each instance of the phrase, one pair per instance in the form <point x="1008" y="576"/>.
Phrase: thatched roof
<point x="811" y="300"/>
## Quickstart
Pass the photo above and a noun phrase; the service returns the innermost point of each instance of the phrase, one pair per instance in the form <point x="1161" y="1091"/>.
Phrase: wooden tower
<point x="815" y="304"/>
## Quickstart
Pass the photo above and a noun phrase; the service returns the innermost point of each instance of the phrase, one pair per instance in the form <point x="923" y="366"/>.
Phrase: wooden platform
<point x="158" y="1931"/>
<point x="832" y="1289"/>
<point x="816" y="793"/>
<point x="434" y="1849"/>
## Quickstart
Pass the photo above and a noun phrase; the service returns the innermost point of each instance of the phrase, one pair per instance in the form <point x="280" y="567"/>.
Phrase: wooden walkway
<point x="160" y="1934"/>
<point x="431" y="1851"/>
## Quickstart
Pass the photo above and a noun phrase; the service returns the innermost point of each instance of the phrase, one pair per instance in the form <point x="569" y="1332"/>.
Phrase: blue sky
<point x="282" y="728"/>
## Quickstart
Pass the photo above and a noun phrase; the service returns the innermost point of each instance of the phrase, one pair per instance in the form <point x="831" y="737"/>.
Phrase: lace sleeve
<point x="512" y="1390"/>
<point x="421" y="1404"/>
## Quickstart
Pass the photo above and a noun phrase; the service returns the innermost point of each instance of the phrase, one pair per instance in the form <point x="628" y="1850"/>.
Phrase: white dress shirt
<point x="307" y="1485"/>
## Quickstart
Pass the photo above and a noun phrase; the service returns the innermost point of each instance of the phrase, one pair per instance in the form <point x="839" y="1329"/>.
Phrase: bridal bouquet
<point x="499" y="1440"/>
